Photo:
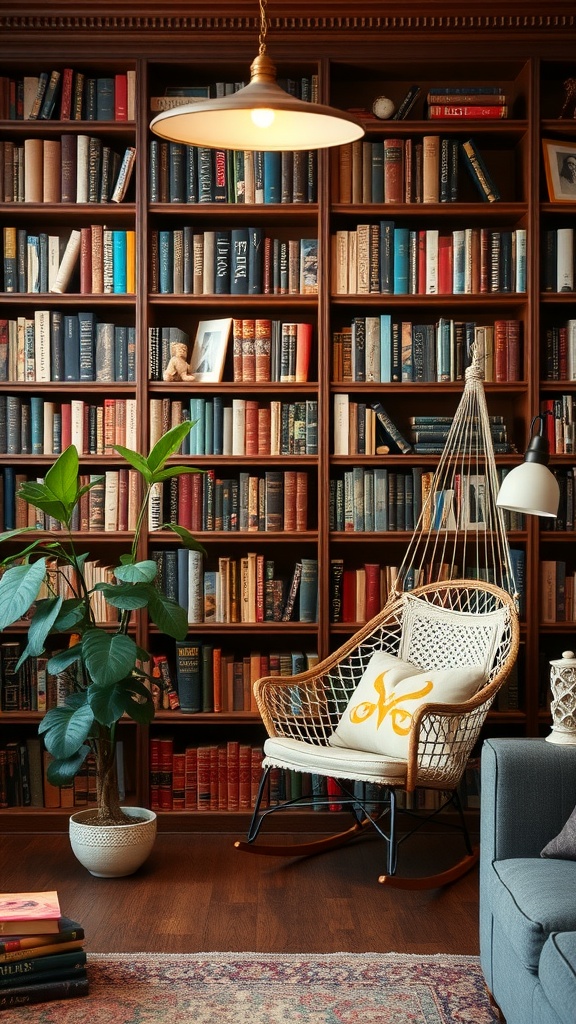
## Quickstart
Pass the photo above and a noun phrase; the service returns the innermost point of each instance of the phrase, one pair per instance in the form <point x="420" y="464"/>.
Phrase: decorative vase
<point x="563" y="706"/>
<point x="112" y="851"/>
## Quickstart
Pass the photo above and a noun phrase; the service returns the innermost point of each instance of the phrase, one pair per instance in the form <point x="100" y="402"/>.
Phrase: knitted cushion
<point x="379" y="713"/>
<point x="564" y="844"/>
<point x="437" y="637"/>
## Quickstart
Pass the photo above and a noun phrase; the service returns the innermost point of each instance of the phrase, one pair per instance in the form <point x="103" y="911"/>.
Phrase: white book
<point x="124" y="175"/>
<point x="53" y="260"/>
<point x="131" y="424"/>
<point x="68" y="262"/>
<point x="565" y="260"/>
<point x="48" y="410"/>
<point x="352" y="263"/>
<point x="131" y="91"/>
<point x="20" y="349"/>
<point x="432" y="261"/>
<point x="373" y="348"/>
<point x="42" y="344"/>
<point x="33" y="258"/>
<point x="111" y="501"/>
<point x="195" y="587"/>
<point x="249" y="180"/>
<point x="155" y="505"/>
<point x="238" y="426"/>
<point x="209" y="263"/>
<point x="275" y="427"/>
<point x="363" y="259"/>
<point x="82" y="168"/>
<point x="77" y="424"/>
<point x="571" y="348"/>
<point x="340" y="277"/>
<point x="341" y="424"/>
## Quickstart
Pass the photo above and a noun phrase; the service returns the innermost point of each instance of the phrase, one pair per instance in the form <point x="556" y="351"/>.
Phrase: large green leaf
<point x="39" y="495"/>
<point x="65" y="729"/>
<point x="108" y="657"/>
<point x="62" y="477"/>
<point x="127" y="597"/>
<point x="71" y="615"/>
<point x="19" y="587"/>
<point x="94" y="480"/>
<point x="188" y="540"/>
<point x="137" y="572"/>
<point x="61" y="661"/>
<point x="107" y="702"/>
<point x="41" y="623"/>
<point x="170" y="471"/>
<point x="8" y="534"/>
<point x="139" y="704"/>
<point x="62" y="772"/>
<point x="168" y="444"/>
<point x="168" y="615"/>
<point x="136" y="460"/>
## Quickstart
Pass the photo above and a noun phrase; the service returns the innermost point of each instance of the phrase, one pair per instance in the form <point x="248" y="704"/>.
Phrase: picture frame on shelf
<point x="209" y="352"/>
<point x="560" y="168"/>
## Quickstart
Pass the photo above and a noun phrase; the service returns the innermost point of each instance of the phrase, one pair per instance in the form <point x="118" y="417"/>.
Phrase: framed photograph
<point x="209" y="352"/>
<point x="560" y="167"/>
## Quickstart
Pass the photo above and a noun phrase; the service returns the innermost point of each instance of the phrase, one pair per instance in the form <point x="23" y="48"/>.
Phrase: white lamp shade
<point x="532" y="489"/>
<point x="231" y="122"/>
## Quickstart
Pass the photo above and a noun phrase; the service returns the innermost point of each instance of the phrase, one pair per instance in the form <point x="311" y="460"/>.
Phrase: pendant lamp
<point x="261" y="116"/>
<point x="532" y="488"/>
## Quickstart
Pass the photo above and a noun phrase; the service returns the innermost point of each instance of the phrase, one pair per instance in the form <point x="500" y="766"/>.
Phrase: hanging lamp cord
<point x="263" y="28"/>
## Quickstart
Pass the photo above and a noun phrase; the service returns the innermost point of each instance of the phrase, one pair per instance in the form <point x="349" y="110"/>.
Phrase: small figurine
<point x="178" y="368"/>
<point x="569" y="108"/>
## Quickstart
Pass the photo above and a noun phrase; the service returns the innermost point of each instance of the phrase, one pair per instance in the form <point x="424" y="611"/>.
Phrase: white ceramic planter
<point x="112" y="851"/>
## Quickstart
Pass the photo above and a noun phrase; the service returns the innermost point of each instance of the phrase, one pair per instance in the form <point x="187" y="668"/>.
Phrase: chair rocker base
<point x="436" y="881"/>
<point x="332" y="842"/>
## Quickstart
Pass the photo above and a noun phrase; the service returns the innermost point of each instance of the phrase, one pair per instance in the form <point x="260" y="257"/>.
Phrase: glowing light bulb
<point x="262" y="117"/>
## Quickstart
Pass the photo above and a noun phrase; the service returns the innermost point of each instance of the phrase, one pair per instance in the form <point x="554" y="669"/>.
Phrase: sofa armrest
<point x="528" y="790"/>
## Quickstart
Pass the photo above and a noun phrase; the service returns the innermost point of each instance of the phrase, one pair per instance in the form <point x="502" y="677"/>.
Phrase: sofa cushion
<point x="534" y="898"/>
<point x="378" y="717"/>
<point x="557" y="974"/>
<point x="564" y="844"/>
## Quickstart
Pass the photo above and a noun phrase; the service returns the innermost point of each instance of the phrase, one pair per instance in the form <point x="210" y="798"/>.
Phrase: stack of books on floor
<point x="41" y="954"/>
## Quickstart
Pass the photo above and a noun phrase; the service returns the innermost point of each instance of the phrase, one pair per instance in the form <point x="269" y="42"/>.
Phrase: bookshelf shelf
<point x="529" y="56"/>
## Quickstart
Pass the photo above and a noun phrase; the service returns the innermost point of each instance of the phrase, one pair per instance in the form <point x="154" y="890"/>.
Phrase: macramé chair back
<point x="448" y="625"/>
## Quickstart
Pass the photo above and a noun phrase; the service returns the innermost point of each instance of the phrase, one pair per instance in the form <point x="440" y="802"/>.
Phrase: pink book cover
<point x="29" y="912"/>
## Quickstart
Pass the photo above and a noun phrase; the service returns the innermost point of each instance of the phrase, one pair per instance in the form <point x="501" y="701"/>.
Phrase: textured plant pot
<point x="112" y="851"/>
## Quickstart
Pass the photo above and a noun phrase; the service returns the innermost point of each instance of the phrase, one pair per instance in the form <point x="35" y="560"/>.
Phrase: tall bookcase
<point x="354" y="57"/>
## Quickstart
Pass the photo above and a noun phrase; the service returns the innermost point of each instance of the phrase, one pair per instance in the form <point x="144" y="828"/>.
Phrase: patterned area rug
<point x="263" y="988"/>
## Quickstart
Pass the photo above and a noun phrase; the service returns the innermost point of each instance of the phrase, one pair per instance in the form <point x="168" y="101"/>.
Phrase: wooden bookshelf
<point x="356" y="55"/>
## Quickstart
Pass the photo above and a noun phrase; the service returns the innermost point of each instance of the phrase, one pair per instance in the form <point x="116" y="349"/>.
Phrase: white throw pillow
<point x="378" y="717"/>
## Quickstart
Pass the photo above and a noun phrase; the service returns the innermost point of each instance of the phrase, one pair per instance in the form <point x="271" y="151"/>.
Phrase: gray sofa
<point x="527" y="902"/>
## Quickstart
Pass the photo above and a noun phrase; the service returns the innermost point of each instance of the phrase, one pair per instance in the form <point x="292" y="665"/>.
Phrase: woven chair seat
<point x="334" y="762"/>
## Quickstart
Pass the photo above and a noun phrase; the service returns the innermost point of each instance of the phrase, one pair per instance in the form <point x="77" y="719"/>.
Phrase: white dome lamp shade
<point x="260" y="116"/>
<point x="532" y="488"/>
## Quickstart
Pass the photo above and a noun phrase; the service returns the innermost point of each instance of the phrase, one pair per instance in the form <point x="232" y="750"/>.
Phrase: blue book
<point x="272" y="177"/>
<point x="209" y="427"/>
<point x="119" y="262"/>
<point x="308" y="596"/>
<point x="43" y="261"/>
<point x="401" y="260"/>
<point x="176" y="172"/>
<point x="87" y="326"/>
<point x="166" y="262"/>
<point x="191" y="170"/>
<point x="71" y="347"/>
<point x="57" y="372"/>
<point x="254" y="261"/>
<point x="37" y="424"/>
<point x="218" y="426"/>
<point x="387" y="257"/>
<point x="120" y="352"/>
<point x="33" y="250"/>
<point x="239" y="261"/>
<point x="443" y="346"/>
<point x="385" y="348"/>
<point x="105" y="99"/>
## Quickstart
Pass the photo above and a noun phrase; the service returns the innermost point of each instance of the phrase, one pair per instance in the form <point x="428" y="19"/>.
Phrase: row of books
<point x="485" y="102"/>
<point x="269" y="501"/>
<point x="557" y="591"/>
<point x="53" y="345"/>
<point x="195" y="174"/>
<point x="243" y="427"/>
<point x="205" y="678"/>
<point x="71" y="169"/>
<point x="304" y="87"/>
<point x="391" y="260"/>
<point x="41" y="953"/>
<point x="89" y="260"/>
<point x="68" y="95"/>
<point x="566" y="518"/>
<point x="374" y="500"/>
<point x="558" y="260"/>
<point x="23" y="778"/>
<point x="236" y="261"/>
<point x="357" y="593"/>
<point x="110" y="502"/>
<point x="560" y="352"/>
<point x="559" y="423"/>
<point x="263" y="350"/>
<point x="249" y="588"/>
<point x="36" y="426"/>
<point x="376" y="348"/>
<point x="410" y="170"/>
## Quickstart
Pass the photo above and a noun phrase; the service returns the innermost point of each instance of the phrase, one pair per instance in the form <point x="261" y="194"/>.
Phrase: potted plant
<point x="106" y="665"/>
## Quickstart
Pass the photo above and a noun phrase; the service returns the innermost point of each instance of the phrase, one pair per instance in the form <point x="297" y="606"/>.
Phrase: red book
<point x="263" y="346"/>
<point x="222" y="778"/>
<point x="123" y="499"/>
<point x="155" y="774"/>
<point x="165" y="759"/>
<point x="448" y="110"/>
<point x="251" y="436"/>
<point x="237" y="334"/>
<point x="290" y="478"/>
<point x="303" y="350"/>
<point x="233" y="750"/>
<point x="393" y="170"/>
<point x="185" y="499"/>
<point x="196" y="503"/>
<point x="203" y="778"/>
<point x="178" y="781"/>
<point x="264" y="431"/>
<point x="445" y="265"/>
<point x="301" y="501"/>
<point x="248" y="351"/>
<point x="66" y="94"/>
<point x="214" y="777"/>
<point x="190" y="779"/>
<point x="349" y="596"/>
<point x="500" y="351"/>
<point x="421" y="257"/>
<point x="334" y="790"/>
<point x="121" y="97"/>
<point x="372" y="590"/>
<point x="217" y="678"/>
<point x="244" y="777"/>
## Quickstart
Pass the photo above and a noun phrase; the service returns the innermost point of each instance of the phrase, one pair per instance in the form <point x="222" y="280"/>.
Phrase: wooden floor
<point x="197" y="893"/>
